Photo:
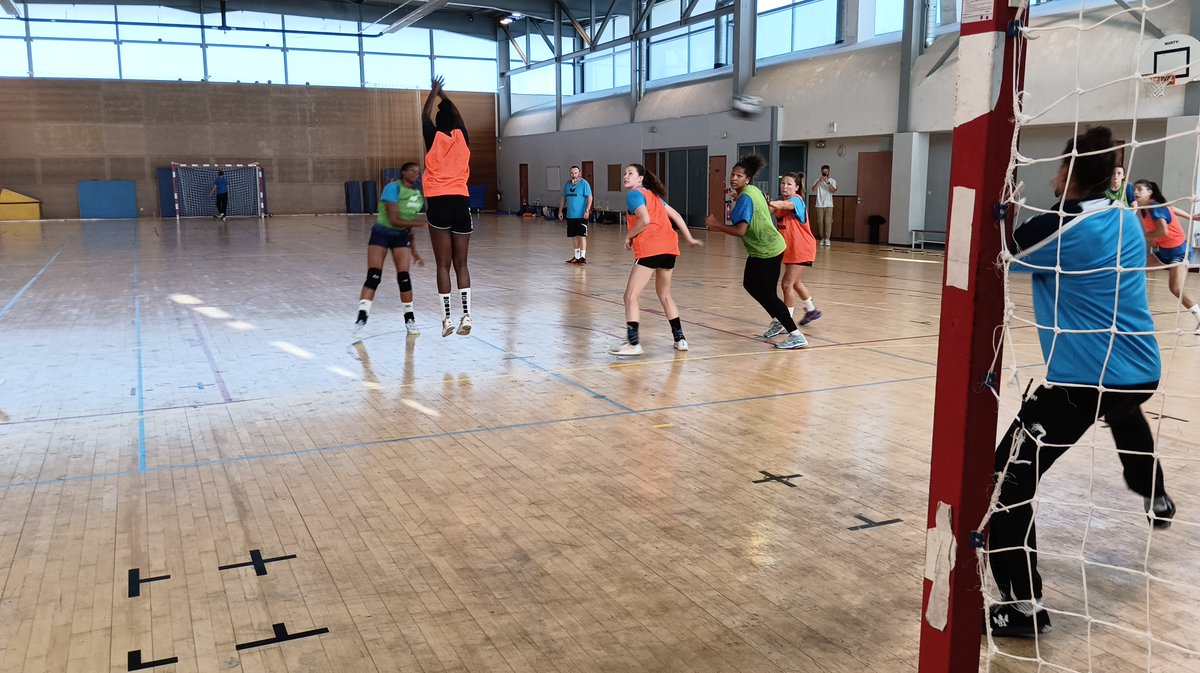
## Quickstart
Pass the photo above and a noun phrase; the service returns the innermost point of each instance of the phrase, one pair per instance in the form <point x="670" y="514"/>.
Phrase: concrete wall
<point x="54" y="133"/>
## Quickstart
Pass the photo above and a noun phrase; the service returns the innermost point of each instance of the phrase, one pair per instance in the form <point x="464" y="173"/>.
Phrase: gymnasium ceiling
<point x="479" y="18"/>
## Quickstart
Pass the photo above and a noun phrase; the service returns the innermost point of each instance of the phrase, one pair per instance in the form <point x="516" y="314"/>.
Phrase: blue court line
<point x="16" y="297"/>
<point x="560" y="377"/>
<point x="440" y="435"/>
<point x="137" y="322"/>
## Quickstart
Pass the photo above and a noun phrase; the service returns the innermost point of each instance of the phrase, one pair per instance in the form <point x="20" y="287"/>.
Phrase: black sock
<point x="631" y="333"/>
<point x="676" y="328"/>
<point x="362" y="316"/>
<point x="409" y="316"/>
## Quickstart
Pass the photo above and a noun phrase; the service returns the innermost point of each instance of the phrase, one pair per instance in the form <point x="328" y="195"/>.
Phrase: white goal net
<point x="1099" y="306"/>
<point x="194" y="189"/>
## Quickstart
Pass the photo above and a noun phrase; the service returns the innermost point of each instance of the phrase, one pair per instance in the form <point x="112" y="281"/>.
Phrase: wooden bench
<point x="922" y="236"/>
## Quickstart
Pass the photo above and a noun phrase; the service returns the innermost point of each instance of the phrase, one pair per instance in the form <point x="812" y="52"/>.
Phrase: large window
<point x="889" y="16"/>
<point x="131" y="41"/>
<point x="785" y="26"/>
<point x="683" y="50"/>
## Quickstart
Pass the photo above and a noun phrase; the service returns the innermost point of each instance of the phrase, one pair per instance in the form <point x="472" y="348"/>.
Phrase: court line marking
<point x="442" y="435"/>
<point x="17" y="297"/>
<point x="137" y="322"/>
<point x="212" y="363"/>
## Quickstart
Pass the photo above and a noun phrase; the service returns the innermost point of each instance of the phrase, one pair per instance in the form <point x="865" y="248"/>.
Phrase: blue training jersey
<point x="222" y="185"/>
<point x="1101" y="290"/>
<point x="576" y="197"/>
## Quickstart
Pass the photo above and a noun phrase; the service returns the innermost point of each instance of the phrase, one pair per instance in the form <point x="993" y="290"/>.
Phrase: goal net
<point x="1086" y="558"/>
<point x="193" y="187"/>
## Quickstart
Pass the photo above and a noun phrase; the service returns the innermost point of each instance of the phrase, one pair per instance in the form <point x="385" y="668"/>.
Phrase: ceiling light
<point x="10" y="8"/>
<point x="506" y="20"/>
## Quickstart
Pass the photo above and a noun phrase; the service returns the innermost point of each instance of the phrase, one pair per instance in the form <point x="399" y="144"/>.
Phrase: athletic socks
<point x="408" y="311"/>
<point x="578" y="253"/>
<point x="631" y="333"/>
<point x="465" y="295"/>
<point x="809" y="305"/>
<point x="364" y="305"/>
<point x="676" y="329"/>
<point x="445" y="305"/>
<point x="791" y="310"/>
<point x="1195" y="309"/>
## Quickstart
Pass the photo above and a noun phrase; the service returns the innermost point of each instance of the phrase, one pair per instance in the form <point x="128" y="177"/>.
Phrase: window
<point x="454" y="44"/>
<point x="67" y="58"/>
<point x="14" y="59"/>
<point x="241" y="64"/>
<point x="774" y="34"/>
<point x="471" y="75"/>
<point x="150" y="14"/>
<point x="702" y="52"/>
<point x="889" y="16"/>
<point x="162" y="62"/>
<point x="345" y="40"/>
<point x="252" y="29"/>
<point x="664" y="12"/>
<point x="815" y="24"/>
<point x="323" y="68"/>
<point x="669" y="58"/>
<point x="406" y="41"/>
<point x="539" y="81"/>
<point x="598" y="72"/>
<point x="397" y="72"/>
<point x="11" y="27"/>
<point x="64" y="18"/>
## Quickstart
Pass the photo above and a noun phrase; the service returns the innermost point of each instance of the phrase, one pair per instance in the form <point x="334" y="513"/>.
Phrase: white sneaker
<point x="464" y="327"/>
<point x="774" y="329"/>
<point x="681" y="345"/>
<point x="447" y="327"/>
<point x="411" y="326"/>
<point x="793" y="342"/>
<point x="625" y="349"/>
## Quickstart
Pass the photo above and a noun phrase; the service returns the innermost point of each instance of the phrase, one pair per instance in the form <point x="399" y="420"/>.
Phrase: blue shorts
<point x="1172" y="255"/>
<point x="387" y="237"/>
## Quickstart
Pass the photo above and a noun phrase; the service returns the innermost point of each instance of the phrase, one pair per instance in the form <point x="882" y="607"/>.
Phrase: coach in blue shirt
<point x="576" y="206"/>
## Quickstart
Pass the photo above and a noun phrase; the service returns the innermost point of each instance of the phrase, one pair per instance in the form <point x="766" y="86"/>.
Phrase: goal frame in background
<point x="259" y="183"/>
<point x="972" y="311"/>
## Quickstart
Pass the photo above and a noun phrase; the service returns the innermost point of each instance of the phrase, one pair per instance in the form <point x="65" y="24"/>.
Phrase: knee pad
<point x="404" y="281"/>
<point x="373" y="277"/>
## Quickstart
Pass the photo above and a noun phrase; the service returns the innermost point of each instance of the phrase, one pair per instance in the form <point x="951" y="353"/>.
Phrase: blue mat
<point x="107" y="199"/>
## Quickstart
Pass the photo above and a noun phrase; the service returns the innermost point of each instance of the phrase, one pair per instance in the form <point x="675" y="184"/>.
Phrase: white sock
<point x="578" y="253"/>
<point x="1195" y="309"/>
<point x="408" y="307"/>
<point x="465" y="294"/>
<point x="809" y="305"/>
<point x="796" y="333"/>
<point x="364" y="305"/>
<point x="445" y="305"/>
<point x="582" y="253"/>
<point x="791" y="310"/>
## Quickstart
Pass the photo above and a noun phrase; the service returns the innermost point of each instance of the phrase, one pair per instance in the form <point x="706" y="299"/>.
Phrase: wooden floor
<point x="180" y="399"/>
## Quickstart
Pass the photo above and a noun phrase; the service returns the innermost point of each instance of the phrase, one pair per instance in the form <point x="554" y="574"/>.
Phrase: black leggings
<point x="760" y="279"/>
<point x="1059" y="416"/>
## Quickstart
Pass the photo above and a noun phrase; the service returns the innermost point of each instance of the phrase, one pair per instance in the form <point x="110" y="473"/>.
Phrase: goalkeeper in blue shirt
<point x="221" y="189"/>
<point x="1102" y="360"/>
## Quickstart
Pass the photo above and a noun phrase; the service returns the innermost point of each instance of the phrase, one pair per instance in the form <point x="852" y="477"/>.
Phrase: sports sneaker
<point x="681" y="345"/>
<point x="793" y="342"/>
<point x="809" y="316"/>
<point x="1162" y="512"/>
<point x="1006" y="621"/>
<point x="464" y="327"/>
<point x="360" y="324"/>
<point x="573" y="260"/>
<point x="411" y="326"/>
<point x="581" y="260"/>
<point x="447" y="327"/>
<point x="775" y="329"/>
<point x="625" y="348"/>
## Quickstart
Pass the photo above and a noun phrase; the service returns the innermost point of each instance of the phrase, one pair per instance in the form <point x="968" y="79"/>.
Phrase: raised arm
<point x="435" y="89"/>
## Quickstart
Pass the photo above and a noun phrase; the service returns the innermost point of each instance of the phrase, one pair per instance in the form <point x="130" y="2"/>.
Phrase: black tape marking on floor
<point x="871" y="524"/>
<point x="781" y="478"/>
<point x="136" y="663"/>
<point x="257" y="560"/>
<point x="281" y="635"/>
<point x="136" y="581"/>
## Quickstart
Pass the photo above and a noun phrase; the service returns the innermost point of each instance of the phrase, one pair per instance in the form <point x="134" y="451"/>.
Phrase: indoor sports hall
<point x="210" y="460"/>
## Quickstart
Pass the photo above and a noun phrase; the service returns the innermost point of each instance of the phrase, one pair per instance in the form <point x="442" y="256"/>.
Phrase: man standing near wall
<point x="221" y="189"/>
<point x="824" y="188"/>
<point x="575" y="207"/>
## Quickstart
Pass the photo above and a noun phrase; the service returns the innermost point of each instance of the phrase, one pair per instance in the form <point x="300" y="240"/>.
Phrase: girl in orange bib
<point x="1165" y="237"/>
<point x="655" y="246"/>
<point x="792" y="215"/>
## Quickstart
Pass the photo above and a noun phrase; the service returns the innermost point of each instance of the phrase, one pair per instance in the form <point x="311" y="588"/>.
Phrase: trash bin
<point x="875" y="222"/>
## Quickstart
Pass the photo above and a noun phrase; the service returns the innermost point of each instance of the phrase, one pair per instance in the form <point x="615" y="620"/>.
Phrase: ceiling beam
<point x="416" y="15"/>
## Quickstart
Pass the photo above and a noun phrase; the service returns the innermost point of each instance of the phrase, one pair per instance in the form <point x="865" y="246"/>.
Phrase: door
<point x="874" y="193"/>
<point x="716" y="186"/>
<point x="524" y="186"/>
<point x="586" y="169"/>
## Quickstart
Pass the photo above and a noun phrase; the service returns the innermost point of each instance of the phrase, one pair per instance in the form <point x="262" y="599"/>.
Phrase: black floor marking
<point x="281" y="635"/>
<point x="871" y="524"/>
<point x="781" y="478"/>
<point x="257" y="560"/>
<point x="136" y="663"/>
<point x="136" y="581"/>
<point x="1152" y="414"/>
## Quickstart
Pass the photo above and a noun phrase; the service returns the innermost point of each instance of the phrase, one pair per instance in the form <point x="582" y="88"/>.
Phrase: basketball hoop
<point x="1156" y="85"/>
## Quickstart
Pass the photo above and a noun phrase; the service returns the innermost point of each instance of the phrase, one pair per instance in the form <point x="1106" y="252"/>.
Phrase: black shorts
<point x="799" y="264"/>
<point x="657" y="262"/>
<point x="387" y="237"/>
<point x="576" y="227"/>
<point x="449" y="213"/>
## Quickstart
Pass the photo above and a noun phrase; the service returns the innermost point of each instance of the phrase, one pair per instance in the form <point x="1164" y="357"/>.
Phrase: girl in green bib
<point x="751" y="221"/>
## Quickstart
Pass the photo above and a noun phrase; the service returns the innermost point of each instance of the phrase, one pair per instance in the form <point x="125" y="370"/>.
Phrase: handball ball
<point x="747" y="106"/>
